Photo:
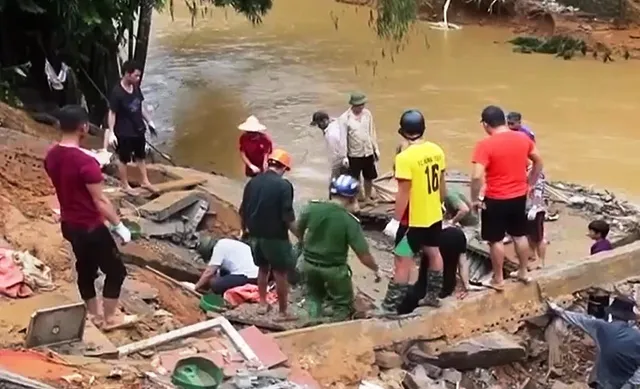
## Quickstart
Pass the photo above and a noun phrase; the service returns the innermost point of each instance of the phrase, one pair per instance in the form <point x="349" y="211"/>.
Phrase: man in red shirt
<point x="255" y="146"/>
<point x="500" y="163"/>
<point x="84" y="208"/>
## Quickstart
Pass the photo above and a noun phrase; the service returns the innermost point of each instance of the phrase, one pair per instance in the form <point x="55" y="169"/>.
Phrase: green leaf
<point x="30" y="6"/>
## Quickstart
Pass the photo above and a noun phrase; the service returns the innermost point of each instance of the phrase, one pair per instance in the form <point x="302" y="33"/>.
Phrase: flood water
<point x="204" y="81"/>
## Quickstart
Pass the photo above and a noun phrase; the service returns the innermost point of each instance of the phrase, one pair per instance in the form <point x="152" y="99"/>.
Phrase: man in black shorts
<point x="362" y="143"/>
<point x="501" y="160"/>
<point x="127" y="127"/>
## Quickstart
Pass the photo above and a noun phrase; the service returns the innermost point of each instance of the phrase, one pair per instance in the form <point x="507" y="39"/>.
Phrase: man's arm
<point x="461" y="207"/>
<point x="288" y="214"/>
<point x="477" y="181"/>
<point x="463" y="270"/>
<point x="103" y="204"/>
<point x="374" y="137"/>
<point x="242" y="210"/>
<point x="301" y="225"/>
<point x="586" y="323"/>
<point x="359" y="245"/>
<point x="206" y="277"/>
<point x="114" y="101"/>
<point x="535" y="157"/>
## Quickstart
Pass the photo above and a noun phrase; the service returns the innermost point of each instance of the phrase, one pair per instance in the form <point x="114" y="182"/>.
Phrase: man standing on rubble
<point x="617" y="363"/>
<point x="328" y="229"/>
<point x="500" y="164"/>
<point x="128" y="121"/>
<point x="417" y="220"/>
<point x="336" y="140"/>
<point x="267" y="217"/>
<point x="362" y="142"/>
<point x="83" y="211"/>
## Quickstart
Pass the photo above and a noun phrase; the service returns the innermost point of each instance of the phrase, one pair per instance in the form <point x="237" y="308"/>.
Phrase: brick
<point x="168" y="204"/>
<point x="264" y="346"/>
<point x="388" y="359"/>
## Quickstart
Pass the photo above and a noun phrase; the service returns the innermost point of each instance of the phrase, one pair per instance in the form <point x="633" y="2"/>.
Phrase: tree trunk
<point x="144" y="31"/>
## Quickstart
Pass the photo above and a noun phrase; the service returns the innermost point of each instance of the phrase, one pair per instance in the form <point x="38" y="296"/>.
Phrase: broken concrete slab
<point x="175" y="261"/>
<point x="487" y="350"/>
<point x="164" y="230"/>
<point x="168" y="204"/>
<point x="419" y="379"/>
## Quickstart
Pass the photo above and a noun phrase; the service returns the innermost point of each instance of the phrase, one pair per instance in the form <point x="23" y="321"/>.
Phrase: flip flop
<point x="525" y="280"/>
<point x="497" y="287"/>
<point x="150" y="189"/>
<point x="126" y="321"/>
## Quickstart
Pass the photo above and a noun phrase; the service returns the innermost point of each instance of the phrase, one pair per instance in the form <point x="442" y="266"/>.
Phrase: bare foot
<point x="129" y="190"/>
<point x="149" y="187"/>
<point x="524" y="278"/>
<point x="119" y="321"/>
<point x="96" y="320"/>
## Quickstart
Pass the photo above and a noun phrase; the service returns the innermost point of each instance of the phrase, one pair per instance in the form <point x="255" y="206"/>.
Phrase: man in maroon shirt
<point x="84" y="208"/>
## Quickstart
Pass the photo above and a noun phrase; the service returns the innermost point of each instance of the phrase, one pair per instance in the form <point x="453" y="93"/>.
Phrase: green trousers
<point x="331" y="285"/>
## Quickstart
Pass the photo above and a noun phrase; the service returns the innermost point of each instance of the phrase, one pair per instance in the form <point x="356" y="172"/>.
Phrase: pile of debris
<point x="622" y="216"/>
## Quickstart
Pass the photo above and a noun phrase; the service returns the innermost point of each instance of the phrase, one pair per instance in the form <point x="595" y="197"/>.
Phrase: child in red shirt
<point x="255" y="146"/>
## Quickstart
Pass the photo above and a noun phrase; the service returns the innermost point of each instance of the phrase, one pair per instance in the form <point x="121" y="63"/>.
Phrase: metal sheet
<point x="56" y="325"/>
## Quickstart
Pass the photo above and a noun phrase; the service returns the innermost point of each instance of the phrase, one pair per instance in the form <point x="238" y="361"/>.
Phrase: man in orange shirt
<point x="500" y="163"/>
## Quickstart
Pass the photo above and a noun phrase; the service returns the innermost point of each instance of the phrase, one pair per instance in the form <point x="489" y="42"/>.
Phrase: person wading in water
<point x="417" y="220"/>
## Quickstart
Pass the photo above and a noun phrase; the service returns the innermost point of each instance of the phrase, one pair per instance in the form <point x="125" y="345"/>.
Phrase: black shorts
<point x="131" y="149"/>
<point x="95" y="249"/>
<point x="363" y="165"/>
<point x="535" y="228"/>
<point x="419" y="237"/>
<point x="503" y="216"/>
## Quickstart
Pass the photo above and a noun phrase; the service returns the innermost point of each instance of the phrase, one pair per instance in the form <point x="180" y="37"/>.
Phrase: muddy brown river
<point x="206" y="80"/>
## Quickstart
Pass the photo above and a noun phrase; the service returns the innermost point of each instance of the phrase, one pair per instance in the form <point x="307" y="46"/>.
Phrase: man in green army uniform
<point x="327" y="230"/>
<point x="458" y="210"/>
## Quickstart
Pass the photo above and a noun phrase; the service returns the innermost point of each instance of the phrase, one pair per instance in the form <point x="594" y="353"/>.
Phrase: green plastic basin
<point x="212" y="302"/>
<point x="196" y="373"/>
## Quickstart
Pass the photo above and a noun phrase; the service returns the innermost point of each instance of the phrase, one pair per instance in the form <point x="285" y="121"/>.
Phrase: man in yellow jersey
<point x="417" y="220"/>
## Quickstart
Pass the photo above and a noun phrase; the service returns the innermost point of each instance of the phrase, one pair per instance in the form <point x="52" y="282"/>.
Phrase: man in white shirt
<point x="230" y="265"/>
<point x="336" y="140"/>
<point x="362" y="143"/>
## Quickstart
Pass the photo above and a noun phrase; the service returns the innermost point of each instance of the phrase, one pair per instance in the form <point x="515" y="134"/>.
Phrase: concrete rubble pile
<point x="599" y="204"/>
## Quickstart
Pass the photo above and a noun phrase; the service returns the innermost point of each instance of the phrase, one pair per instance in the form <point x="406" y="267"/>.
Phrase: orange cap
<point x="281" y="156"/>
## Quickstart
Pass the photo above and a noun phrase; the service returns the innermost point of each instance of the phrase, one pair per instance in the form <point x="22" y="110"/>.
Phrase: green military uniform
<point x="266" y="211"/>
<point x="329" y="230"/>
<point x="452" y="203"/>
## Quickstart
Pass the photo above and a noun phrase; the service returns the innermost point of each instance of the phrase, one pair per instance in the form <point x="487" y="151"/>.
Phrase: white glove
<point x="531" y="215"/>
<point x="123" y="232"/>
<point x="112" y="140"/>
<point x="345" y="162"/>
<point x="392" y="228"/>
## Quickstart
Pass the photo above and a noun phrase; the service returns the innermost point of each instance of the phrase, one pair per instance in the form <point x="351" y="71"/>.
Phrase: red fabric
<point x="70" y="170"/>
<point x="11" y="278"/>
<point x="246" y="294"/>
<point x="255" y="145"/>
<point x="504" y="156"/>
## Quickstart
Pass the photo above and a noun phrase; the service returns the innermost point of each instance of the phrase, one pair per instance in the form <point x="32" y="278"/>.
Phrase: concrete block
<point x="168" y="204"/>
<point x="486" y="350"/>
<point x="418" y="379"/>
<point x="388" y="359"/>
<point x="452" y="376"/>
<point x="165" y="229"/>
<point x="194" y="215"/>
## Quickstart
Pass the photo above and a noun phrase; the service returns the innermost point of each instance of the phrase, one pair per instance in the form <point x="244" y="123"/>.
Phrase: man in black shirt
<point x="127" y="127"/>
<point x="267" y="217"/>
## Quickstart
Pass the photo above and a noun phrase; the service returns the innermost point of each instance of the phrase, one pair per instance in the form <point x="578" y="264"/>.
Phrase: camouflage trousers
<point x="395" y="294"/>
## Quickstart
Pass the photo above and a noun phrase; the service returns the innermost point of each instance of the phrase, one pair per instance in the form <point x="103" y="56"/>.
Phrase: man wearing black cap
<point x="500" y="164"/>
<point x="336" y="140"/>
<point x="617" y="363"/>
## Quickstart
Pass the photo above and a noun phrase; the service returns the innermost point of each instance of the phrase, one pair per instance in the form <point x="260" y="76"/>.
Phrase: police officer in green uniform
<point x="328" y="229"/>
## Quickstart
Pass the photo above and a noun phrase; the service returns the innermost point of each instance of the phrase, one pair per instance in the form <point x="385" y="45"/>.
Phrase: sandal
<point x="125" y="321"/>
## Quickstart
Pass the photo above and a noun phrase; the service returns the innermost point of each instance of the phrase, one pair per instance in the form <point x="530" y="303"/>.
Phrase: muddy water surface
<point x="204" y="81"/>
